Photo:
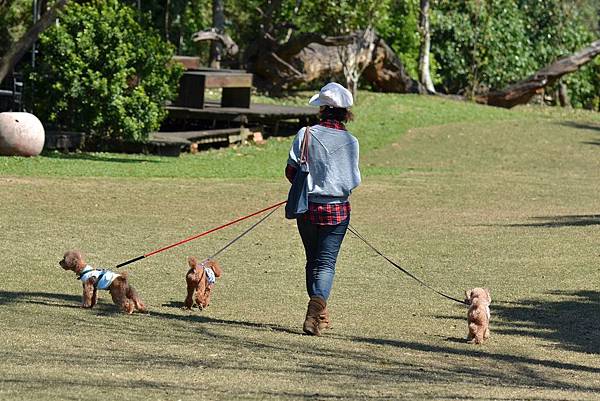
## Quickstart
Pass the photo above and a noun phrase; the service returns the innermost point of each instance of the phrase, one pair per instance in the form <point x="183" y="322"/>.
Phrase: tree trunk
<point x="218" y="20"/>
<point x="424" y="49"/>
<point x="523" y="91"/>
<point x="356" y="56"/>
<point x="563" y="95"/>
<point x="19" y="48"/>
<point x="167" y="18"/>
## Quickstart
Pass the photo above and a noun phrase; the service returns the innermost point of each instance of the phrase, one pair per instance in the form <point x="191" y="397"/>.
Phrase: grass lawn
<point x="459" y="194"/>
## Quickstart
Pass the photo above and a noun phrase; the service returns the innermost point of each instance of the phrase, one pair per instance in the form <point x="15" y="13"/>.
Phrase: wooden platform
<point x="162" y="143"/>
<point x="257" y="113"/>
<point x="192" y="111"/>
<point x="187" y="138"/>
<point x="71" y="141"/>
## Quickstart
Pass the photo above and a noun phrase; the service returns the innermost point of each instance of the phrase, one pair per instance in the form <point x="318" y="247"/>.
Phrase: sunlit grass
<point x="460" y="195"/>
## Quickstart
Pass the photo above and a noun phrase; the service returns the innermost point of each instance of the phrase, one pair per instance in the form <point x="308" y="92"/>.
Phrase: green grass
<point x="380" y="119"/>
<point x="459" y="194"/>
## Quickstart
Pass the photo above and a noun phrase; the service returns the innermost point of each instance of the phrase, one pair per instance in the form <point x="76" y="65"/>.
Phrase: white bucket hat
<point x="334" y="95"/>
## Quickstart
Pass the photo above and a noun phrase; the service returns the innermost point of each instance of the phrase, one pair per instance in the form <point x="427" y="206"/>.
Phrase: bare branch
<point x="211" y="34"/>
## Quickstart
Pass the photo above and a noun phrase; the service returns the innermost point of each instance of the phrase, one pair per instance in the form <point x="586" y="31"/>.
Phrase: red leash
<point x="199" y="235"/>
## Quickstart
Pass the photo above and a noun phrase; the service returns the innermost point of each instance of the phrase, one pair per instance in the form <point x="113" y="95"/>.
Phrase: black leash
<point x="199" y="235"/>
<point x="242" y="234"/>
<point x="403" y="270"/>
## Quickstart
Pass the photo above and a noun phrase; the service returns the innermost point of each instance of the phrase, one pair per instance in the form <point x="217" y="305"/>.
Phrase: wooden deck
<point x="187" y="138"/>
<point x="257" y="113"/>
<point x="192" y="112"/>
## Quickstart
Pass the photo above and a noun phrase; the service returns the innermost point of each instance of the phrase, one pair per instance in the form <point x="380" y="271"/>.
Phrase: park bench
<point x="217" y="120"/>
<point x="236" y="86"/>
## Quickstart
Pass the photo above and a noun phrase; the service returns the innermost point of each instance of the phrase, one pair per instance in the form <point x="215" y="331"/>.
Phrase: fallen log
<point x="313" y="57"/>
<point x="522" y="92"/>
<point x="386" y="72"/>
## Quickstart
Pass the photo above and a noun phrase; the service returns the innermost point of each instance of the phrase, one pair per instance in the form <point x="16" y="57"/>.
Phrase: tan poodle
<point x="123" y="294"/>
<point x="478" y="316"/>
<point x="200" y="279"/>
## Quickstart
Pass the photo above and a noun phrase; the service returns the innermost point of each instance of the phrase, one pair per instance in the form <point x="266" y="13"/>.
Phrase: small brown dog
<point x="478" y="316"/>
<point x="200" y="279"/>
<point x="123" y="294"/>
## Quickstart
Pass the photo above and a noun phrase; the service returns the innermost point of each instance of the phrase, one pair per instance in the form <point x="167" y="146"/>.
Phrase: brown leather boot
<point x="316" y="307"/>
<point x="324" y="320"/>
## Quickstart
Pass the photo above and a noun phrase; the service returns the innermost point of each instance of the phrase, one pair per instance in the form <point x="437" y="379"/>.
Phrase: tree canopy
<point x="477" y="47"/>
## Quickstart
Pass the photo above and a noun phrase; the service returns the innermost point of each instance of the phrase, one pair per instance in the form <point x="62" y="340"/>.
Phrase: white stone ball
<point x="21" y="134"/>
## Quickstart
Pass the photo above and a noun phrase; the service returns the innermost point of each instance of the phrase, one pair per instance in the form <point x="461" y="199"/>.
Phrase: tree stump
<point x="21" y="134"/>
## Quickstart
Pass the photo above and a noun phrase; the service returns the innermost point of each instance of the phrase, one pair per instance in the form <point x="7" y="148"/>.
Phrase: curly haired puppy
<point x="200" y="279"/>
<point x="478" y="316"/>
<point x="123" y="294"/>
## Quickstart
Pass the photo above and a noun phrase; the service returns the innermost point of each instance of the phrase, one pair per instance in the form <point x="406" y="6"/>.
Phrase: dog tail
<point x="124" y="274"/>
<point x="192" y="261"/>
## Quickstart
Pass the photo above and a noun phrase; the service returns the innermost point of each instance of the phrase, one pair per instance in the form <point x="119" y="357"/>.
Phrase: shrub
<point x="101" y="72"/>
<point x="486" y="45"/>
<point x="480" y="45"/>
<point x="399" y="27"/>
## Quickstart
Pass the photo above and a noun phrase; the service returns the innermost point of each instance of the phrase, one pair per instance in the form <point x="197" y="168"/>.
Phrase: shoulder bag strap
<point x="304" y="147"/>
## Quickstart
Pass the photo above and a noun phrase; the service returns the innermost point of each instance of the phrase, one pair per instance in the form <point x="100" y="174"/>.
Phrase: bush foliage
<point x="486" y="45"/>
<point x="102" y="72"/>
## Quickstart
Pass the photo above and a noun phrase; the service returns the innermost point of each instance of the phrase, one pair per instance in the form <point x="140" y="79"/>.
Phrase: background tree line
<point x="476" y="46"/>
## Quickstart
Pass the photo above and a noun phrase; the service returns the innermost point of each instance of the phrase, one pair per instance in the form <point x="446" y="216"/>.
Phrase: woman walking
<point x="333" y="174"/>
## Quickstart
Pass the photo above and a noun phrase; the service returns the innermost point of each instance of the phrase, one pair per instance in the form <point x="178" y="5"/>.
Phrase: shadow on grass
<point x="95" y="157"/>
<point x="195" y="315"/>
<point x="571" y="322"/>
<point x="474" y="351"/>
<point x="561" y="221"/>
<point x="56" y="300"/>
<point x="581" y="125"/>
<point x="595" y="143"/>
<point x="345" y="361"/>
<point x="41" y="298"/>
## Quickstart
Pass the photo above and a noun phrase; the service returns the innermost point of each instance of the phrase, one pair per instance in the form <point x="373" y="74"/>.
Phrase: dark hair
<point x="336" y="113"/>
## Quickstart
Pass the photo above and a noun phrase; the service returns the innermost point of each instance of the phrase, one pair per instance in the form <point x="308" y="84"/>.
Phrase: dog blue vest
<point x="104" y="278"/>
<point x="210" y="275"/>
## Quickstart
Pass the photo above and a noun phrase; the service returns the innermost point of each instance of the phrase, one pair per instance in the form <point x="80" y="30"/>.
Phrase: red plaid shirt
<point x="333" y="124"/>
<point x="327" y="214"/>
<point x="324" y="214"/>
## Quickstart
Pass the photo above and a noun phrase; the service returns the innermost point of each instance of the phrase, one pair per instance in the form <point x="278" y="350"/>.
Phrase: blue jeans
<point x="321" y="245"/>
